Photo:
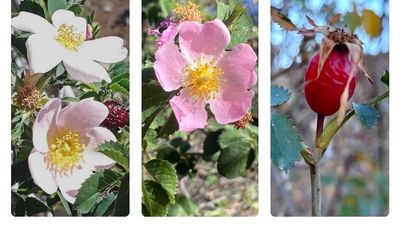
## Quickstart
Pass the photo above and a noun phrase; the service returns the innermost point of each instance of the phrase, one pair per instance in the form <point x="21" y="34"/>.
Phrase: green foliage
<point x="54" y="5"/>
<point x="32" y="7"/>
<point x="117" y="152"/>
<point x="367" y="115"/>
<point x="167" y="6"/>
<point x="279" y="95"/>
<point x="183" y="207"/>
<point x="77" y="9"/>
<point x="122" y="202"/>
<point x="285" y="142"/>
<point x="385" y="78"/>
<point x="155" y="199"/>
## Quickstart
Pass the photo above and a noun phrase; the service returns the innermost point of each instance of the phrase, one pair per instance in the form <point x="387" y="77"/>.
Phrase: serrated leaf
<point x="32" y="7"/>
<point x="35" y="206"/>
<point x="167" y="6"/>
<point x="240" y="26"/>
<point x="164" y="173"/>
<point x="91" y="189"/>
<point x="183" y="207"/>
<point x="385" y="78"/>
<point x="116" y="152"/>
<point x="285" y="142"/>
<point x="211" y="148"/>
<point x="77" y="9"/>
<point x="222" y="11"/>
<point x="168" y="153"/>
<point x="169" y="127"/>
<point x="155" y="199"/>
<point x="54" y="5"/>
<point x="367" y="114"/>
<point x="121" y="86"/>
<point x="122" y="202"/>
<point x="279" y="95"/>
<point x="105" y="205"/>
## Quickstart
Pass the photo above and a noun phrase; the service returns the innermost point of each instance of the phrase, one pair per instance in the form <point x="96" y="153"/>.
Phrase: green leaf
<point x="153" y="98"/>
<point x="183" y="207"/>
<point x="222" y="11"/>
<point x="240" y="26"/>
<point x="121" y="86"/>
<point x="60" y="70"/>
<point x="168" y="153"/>
<point x="77" y="9"/>
<point x="169" y="127"/>
<point x="385" y="78"/>
<point x="19" y="45"/>
<point x="165" y="174"/>
<point x="155" y="199"/>
<point x="367" y="115"/>
<point x="32" y="7"/>
<point x="35" y="206"/>
<point x="285" y="142"/>
<point x="17" y="205"/>
<point x="167" y="6"/>
<point x="116" y="152"/>
<point x="279" y="95"/>
<point x="122" y="202"/>
<point x="90" y="192"/>
<point x="54" y="5"/>
<point x="211" y="148"/>
<point x="105" y="205"/>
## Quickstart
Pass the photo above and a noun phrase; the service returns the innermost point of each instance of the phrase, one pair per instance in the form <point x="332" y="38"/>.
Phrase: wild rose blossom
<point x="206" y="74"/>
<point x="65" y="142"/>
<point x="65" y="41"/>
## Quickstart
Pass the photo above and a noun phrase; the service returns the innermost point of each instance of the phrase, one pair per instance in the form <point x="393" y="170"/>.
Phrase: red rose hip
<point x="323" y="93"/>
<point x="117" y="117"/>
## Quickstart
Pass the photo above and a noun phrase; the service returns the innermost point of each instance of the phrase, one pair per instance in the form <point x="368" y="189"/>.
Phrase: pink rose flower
<point x="65" y="142"/>
<point x="206" y="74"/>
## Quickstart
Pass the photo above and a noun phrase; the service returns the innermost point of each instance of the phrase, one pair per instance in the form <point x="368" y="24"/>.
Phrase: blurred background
<point x="354" y="170"/>
<point x="210" y="194"/>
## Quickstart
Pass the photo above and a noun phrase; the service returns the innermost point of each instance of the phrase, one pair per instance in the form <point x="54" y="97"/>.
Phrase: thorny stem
<point x="314" y="171"/>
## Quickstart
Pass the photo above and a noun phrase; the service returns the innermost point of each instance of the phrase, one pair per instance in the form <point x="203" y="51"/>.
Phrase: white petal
<point x="97" y="161"/>
<point x="106" y="50"/>
<point x="84" y="70"/>
<point x="40" y="173"/>
<point x="32" y="23"/>
<point x="70" y="182"/>
<point x="44" y="53"/>
<point x="45" y="124"/>
<point x="97" y="136"/>
<point x="63" y="16"/>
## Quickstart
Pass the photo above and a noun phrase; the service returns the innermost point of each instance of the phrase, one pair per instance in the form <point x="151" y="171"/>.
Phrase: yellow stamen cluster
<point x="188" y="12"/>
<point x="28" y="98"/>
<point x="244" y="121"/>
<point x="203" y="80"/>
<point x="65" y="152"/>
<point x="69" y="38"/>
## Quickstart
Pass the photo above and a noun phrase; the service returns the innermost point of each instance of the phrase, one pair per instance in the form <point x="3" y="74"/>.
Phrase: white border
<point x="135" y="217"/>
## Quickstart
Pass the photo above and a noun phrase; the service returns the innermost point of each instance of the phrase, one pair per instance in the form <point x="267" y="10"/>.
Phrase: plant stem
<point x="315" y="190"/>
<point x="320" y="127"/>
<point x="64" y="203"/>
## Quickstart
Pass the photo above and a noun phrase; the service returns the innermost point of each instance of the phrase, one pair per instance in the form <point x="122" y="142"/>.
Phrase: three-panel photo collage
<point x="73" y="130"/>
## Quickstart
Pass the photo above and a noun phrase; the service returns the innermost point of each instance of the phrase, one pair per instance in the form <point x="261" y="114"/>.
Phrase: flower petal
<point x="169" y="66"/>
<point x="70" y="182"/>
<point x="82" y="115"/>
<point x="239" y="66"/>
<point x="44" y="53"/>
<point x="208" y="39"/>
<point x="97" y="136"/>
<point x="63" y="16"/>
<point x="189" y="113"/>
<point x="44" y="123"/>
<point x="42" y="177"/>
<point x="84" y="70"/>
<point x="106" y="50"/>
<point x="32" y="23"/>
<point x="97" y="161"/>
<point x="231" y="104"/>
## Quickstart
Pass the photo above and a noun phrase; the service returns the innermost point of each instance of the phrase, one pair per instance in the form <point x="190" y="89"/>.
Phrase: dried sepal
<point x="282" y="20"/>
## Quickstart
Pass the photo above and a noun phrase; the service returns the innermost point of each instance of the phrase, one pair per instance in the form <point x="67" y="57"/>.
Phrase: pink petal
<point x="169" y="66"/>
<point x="45" y="124"/>
<point x="82" y="115"/>
<point x="231" y="104"/>
<point x="97" y="161"/>
<point x="71" y="181"/>
<point x="239" y="66"/>
<point x="189" y="113"/>
<point x="42" y="177"/>
<point x="97" y="136"/>
<point x="208" y="39"/>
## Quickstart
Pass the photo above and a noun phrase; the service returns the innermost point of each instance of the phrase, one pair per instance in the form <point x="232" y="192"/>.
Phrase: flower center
<point x="188" y="12"/>
<point x="65" y="152"/>
<point x="203" y="80"/>
<point x="28" y="98"/>
<point x="68" y="37"/>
